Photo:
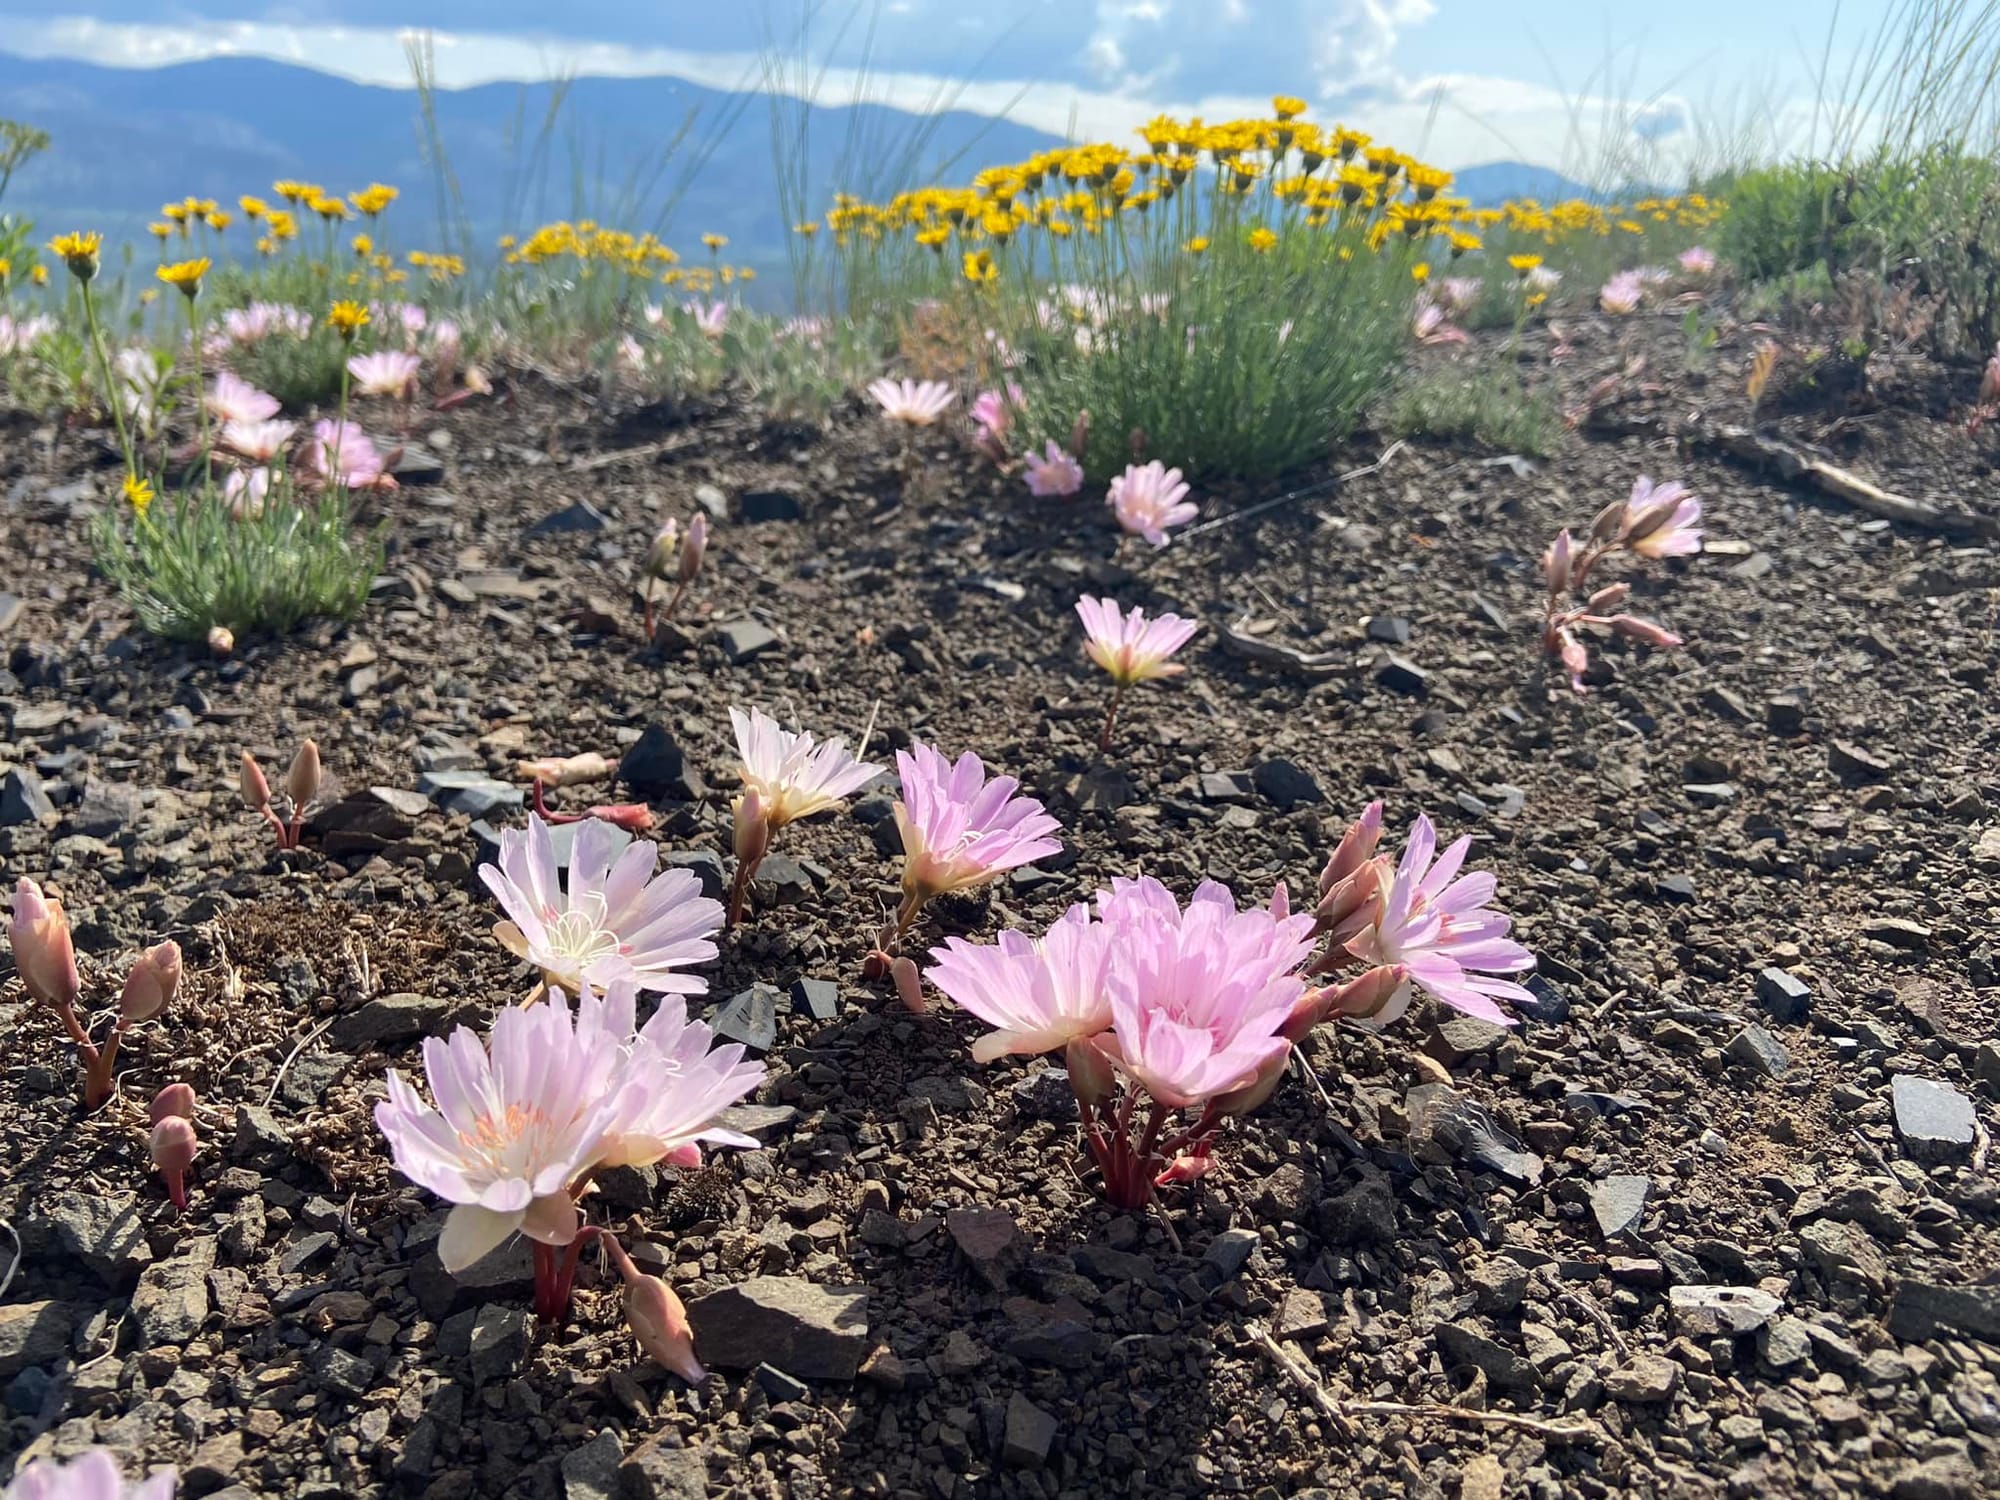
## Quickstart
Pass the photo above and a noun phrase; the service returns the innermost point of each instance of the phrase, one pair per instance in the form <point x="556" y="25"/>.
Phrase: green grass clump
<point x="1469" y="405"/>
<point x="300" y="372"/>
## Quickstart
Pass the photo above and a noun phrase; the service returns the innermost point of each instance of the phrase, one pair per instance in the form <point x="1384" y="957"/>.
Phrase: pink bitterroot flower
<point x="1458" y="295"/>
<point x="1130" y="647"/>
<point x="233" y="399"/>
<point x="793" y="774"/>
<point x="1040" y="994"/>
<point x="912" y="402"/>
<point x="1660" y="520"/>
<point x="1697" y="261"/>
<point x="1543" y="279"/>
<point x="258" y="321"/>
<point x="93" y="1475"/>
<point x="518" y="1122"/>
<point x="404" y="315"/>
<point x="343" y="455"/>
<point x="16" y="337"/>
<point x="1149" y="498"/>
<point x="1442" y="930"/>
<point x="959" y="829"/>
<point x="993" y="411"/>
<point x="1622" y="293"/>
<point x="617" y="921"/>
<point x="259" y="441"/>
<point x="1431" y="327"/>
<point x="246" y="492"/>
<point x="388" y="372"/>
<point x="1053" y="473"/>
<point x="808" y="330"/>
<point x="710" y="318"/>
<point x="1199" y="998"/>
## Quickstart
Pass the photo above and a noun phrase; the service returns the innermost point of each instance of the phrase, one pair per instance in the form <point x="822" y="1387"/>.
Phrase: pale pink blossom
<point x="1458" y="295"/>
<point x="617" y="921"/>
<point x="1431" y="327"/>
<point x="1199" y="997"/>
<point x="517" y="1122"/>
<point x="1130" y="647"/>
<point x="1622" y="293"/>
<point x="959" y="829"/>
<point x="631" y="355"/>
<point x="258" y="321"/>
<point x="687" y="1081"/>
<point x="93" y="1475"/>
<point x="44" y="953"/>
<point x="18" y="336"/>
<point x="1697" y="261"/>
<point x="233" y="399"/>
<point x="257" y="440"/>
<point x="808" y="330"/>
<point x="1054" y="473"/>
<point x="912" y="402"/>
<point x="1660" y="520"/>
<point x="387" y="372"/>
<point x="793" y="774"/>
<point x="1148" y="499"/>
<point x="246" y="492"/>
<point x="1040" y="994"/>
<point x="404" y="315"/>
<point x="710" y="318"/>
<point x="1437" y="924"/>
<point x="1543" y="278"/>
<point x="993" y="411"/>
<point x="342" y="454"/>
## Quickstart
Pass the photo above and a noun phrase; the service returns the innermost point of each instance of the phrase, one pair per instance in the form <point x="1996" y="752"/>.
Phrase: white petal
<point x="471" y="1233"/>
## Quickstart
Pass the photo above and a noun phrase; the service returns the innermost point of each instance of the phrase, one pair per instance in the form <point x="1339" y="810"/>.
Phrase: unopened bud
<point x="256" y="790"/>
<point x="176" y="1100"/>
<point x="1606" y="523"/>
<point x="221" y="640"/>
<point x="152" y="984"/>
<point x="1643" y="630"/>
<point x="1608" y="597"/>
<point x="909" y="987"/>
<point x="633" y="817"/>
<point x="1556" y="563"/>
<point x="656" y="1317"/>
<point x="43" y="951"/>
<point x="1575" y="659"/>
<point x="1370" y="997"/>
<point x="661" y="556"/>
<point x="1356" y="848"/>
<point x="1353" y="905"/>
<point x="1646" y="520"/>
<point x="302" y="780"/>
<point x="567" y="770"/>
<point x="1137" y="441"/>
<point x="174" y="1146"/>
<point x="752" y="833"/>
<point x="1079" y="433"/>
<point x="694" y="546"/>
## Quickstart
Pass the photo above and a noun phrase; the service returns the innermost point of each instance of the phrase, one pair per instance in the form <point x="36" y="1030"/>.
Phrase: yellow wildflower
<point x="1523" y="264"/>
<point x="363" y="246"/>
<point x="715" y="241"/>
<point x="372" y="199"/>
<point x="1198" y="244"/>
<point x="39" y="275"/>
<point x="138" y="493"/>
<point x="1287" y="107"/>
<point x="160" y="231"/>
<point x="79" y="252"/>
<point x="1421" y="272"/>
<point x="808" y="229"/>
<point x="185" y="277"/>
<point x="1262" y="239"/>
<point x="979" y="268"/>
<point x="347" y="319"/>
<point x="253" y="208"/>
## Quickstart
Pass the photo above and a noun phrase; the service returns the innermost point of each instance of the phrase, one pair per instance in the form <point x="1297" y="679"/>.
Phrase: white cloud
<point x="1454" y="120"/>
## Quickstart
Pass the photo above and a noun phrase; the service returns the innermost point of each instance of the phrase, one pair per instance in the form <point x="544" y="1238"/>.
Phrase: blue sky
<point x="1561" y="82"/>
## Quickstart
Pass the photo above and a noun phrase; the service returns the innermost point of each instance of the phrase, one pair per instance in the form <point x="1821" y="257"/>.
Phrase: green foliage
<point x="300" y="372"/>
<point x="1782" y="219"/>
<point x="187" y="564"/>
<point x="1468" y="403"/>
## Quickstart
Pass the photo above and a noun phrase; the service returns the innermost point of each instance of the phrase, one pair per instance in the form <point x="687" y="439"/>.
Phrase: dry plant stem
<point x="1341" y="1412"/>
<point x="1110" y="719"/>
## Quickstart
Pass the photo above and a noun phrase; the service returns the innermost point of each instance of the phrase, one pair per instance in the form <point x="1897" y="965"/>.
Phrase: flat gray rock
<point x="811" y="1331"/>
<point x="1934" y="1121"/>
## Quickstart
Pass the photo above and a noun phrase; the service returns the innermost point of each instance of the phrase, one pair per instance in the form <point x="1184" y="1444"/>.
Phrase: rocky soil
<point x="1719" y="1217"/>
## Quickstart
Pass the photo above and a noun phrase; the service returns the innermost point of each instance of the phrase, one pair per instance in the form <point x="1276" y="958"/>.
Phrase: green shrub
<point x="1781" y="219"/>
<point x="1471" y="404"/>
<point x="300" y="372"/>
<point x="185" y="564"/>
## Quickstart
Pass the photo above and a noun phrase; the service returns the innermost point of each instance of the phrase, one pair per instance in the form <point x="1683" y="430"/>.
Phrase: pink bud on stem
<point x="657" y="1318"/>
<point x="752" y="839"/>
<point x="909" y="987"/>
<point x="173" y="1146"/>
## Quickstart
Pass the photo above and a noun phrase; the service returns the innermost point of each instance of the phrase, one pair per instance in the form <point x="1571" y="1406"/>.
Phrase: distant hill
<point x="127" y="139"/>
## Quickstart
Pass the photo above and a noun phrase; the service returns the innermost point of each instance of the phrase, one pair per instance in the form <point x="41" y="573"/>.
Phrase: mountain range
<point x="625" y="151"/>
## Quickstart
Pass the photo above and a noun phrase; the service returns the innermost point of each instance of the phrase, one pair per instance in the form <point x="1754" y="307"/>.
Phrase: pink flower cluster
<point x="1197" y="1007"/>
<point x="1656" y="521"/>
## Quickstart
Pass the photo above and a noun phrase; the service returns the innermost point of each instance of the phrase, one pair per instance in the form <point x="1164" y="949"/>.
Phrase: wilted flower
<point x="93" y="1476"/>
<point x="388" y="372"/>
<point x="616" y="922"/>
<point x="1436" y="923"/>
<point x="1054" y="473"/>
<point x="567" y="770"/>
<point x="235" y="401"/>
<point x="1149" y="498"/>
<point x="960" y="830"/>
<point x="1660" y="520"/>
<point x="1431" y="326"/>
<point x="914" y="403"/>
<point x="1459" y="294"/>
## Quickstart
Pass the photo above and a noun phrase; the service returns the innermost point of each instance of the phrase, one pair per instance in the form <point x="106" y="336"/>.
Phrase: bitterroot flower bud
<point x="694" y="546"/>
<point x="302" y="780"/>
<point x="1609" y="597"/>
<point x="174" y="1147"/>
<point x="657" y="1318"/>
<point x="43" y="952"/>
<point x="909" y="987"/>
<point x="151" y="986"/>
<point x="221" y="640"/>
<point x="1643" y="630"/>
<point x="1556" y="563"/>
<point x="256" y="790"/>
<point x="1356" y="848"/>
<point x="661" y="557"/>
<point x="174" y="1099"/>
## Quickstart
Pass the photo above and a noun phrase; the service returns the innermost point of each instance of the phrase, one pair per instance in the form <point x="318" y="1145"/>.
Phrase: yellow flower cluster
<point x="640" y="255"/>
<point x="441" y="267"/>
<point x="1576" y="218"/>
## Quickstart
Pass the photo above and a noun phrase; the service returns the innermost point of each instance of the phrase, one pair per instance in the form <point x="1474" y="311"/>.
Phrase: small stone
<point x="1897" y="932"/>
<point x="1285" y="785"/>
<point x="1229" y="787"/>
<point x="1726" y="703"/>
<point x="170" y="1302"/>
<point x="1230" y="1251"/>
<point x="1784" y="995"/>
<point x="815" y="1332"/>
<point x="750" y="1017"/>
<point x="1643" y="1379"/>
<point x="764" y="1121"/>
<point x="1636" y="1270"/>
<point x="1784" y="1343"/>
<point x="1463" y="1344"/>
<point x="1676" y="889"/>
<point x="1852" y="763"/>
<point x="33" y="1333"/>
<point x="22" y="798"/>
<point x="1498" y="1285"/>
<point x="1619" y="1204"/>
<point x="1391" y="629"/>
<point x="579" y="516"/>
<point x="706" y="866"/>
<point x="389" y="1018"/>
<point x="500" y="1340"/>
<point x="105" y="1231"/>
<point x="1949" y="1476"/>
<point x="12" y="608"/>
<point x="818" y="998"/>
<point x="779" y="1386"/>
<point x="664" y="1468"/>
<point x="258" y="1133"/>
<point x="1756" y="1048"/>
<point x="759" y="506"/>
<point x="591" y="1472"/>
<point x="1484" y="1477"/>
<point x="989" y="1239"/>
<point x="471" y="793"/>
<point x="1302" y="1315"/>
<point x="1784" y="714"/>
<point x="655" y="767"/>
<point x="1845" y="1252"/>
<point x="1401" y="676"/>
<point x="745" y="640"/>
<point x="1933" y="1120"/>
<point x="1923" y="1310"/>
<point x="1030" y="1433"/>
<point x="780" y="881"/>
